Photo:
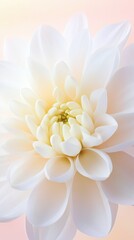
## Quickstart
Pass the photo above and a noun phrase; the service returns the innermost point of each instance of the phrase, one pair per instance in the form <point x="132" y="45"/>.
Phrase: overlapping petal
<point x="93" y="214"/>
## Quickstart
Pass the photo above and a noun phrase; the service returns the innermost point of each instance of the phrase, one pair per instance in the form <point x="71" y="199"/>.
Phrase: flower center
<point x="62" y="112"/>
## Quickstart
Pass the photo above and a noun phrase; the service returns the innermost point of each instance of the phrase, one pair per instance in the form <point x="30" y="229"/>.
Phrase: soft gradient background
<point x="20" y="18"/>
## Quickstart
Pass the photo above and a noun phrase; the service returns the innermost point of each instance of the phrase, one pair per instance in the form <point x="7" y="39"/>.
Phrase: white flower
<point x="67" y="152"/>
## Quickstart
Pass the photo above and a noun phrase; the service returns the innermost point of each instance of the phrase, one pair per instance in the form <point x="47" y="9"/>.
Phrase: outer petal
<point x="12" y="78"/>
<point x="26" y="172"/>
<point x="62" y="229"/>
<point x="94" y="164"/>
<point x="79" y="49"/>
<point x="102" y="64"/>
<point x="5" y="161"/>
<point x="92" y="213"/>
<point x="112" y="35"/>
<point x="119" y="186"/>
<point x="12" y="202"/>
<point x="121" y="100"/>
<point x="124" y="135"/>
<point x="16" y="51"/>
<point x="47" y="203"/>
<point x="41" y="82"/>
<point x="47" y="46"/>
<point x="59" y="169"/>
<point x="127" y="56"/>
<point x="76" y="24"/>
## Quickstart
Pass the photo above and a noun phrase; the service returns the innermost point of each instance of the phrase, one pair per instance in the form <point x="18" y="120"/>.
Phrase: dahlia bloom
<point x="66" y="156"/>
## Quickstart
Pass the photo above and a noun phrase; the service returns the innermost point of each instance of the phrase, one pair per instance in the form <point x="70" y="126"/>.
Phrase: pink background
<point x="20" y="18"/>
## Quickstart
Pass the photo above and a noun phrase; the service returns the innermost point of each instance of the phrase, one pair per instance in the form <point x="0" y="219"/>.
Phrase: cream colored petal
<point x="45" y="150"/>
<point x="59" y="169"/>
<point x="94" y="164"/>
<point x="71" y="147"/>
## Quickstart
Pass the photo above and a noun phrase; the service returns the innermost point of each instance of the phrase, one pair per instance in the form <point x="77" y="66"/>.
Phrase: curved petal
<point x="112" y="35"/>
<point x="124" y="135"/>
<point x="26" y="172"/>
<point x="106" y="126"/>
<point x="94" y="164"/>
<point x="71" y="147"/>
<point x="59" y="169"/>
<point x="102" y="64"/>
<point x="47" y="46"/>
<point x="16" y="51"/>
<point x="45" y="150"/>
<point x="119" y="186"/>
<point x="122" y="99"/>
<point x="127" y="56"/>
<point x="12" y="202"/>
<point x="92" y="213"/>
<point x="62" y="229"/>
<point x="47" y="203"/>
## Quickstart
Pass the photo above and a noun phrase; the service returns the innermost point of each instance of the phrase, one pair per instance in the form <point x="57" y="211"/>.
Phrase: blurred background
<point x="21" y="18"/>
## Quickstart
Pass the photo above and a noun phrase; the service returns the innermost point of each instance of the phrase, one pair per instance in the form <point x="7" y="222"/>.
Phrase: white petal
<point x="75" y="25"/>
<point x="45" y="150"/>
<point x="16" y="51"/>
<point x="12" y="79"/>
<point x="41" y="82"/>
<point x="16" y="126"/>
<point x="27" y="171"/>
<point x="91" y="140"/>
<point x="130" y="150"/>
<point x="87" y="122"/>
<point x="61" y="71"/>
<point x="86" y="106"/>
<point x="102" y="65"/>
<point x="119" y="186"/>
<point x="94" y="164"/>
<point x="28" y="96"/>
<point x="122" y="99"/>
<point x="47" y="203"/>
<point x="40" y="108"/>
<point x="30" y="121"/>
<point x="127" y="56"/>
<point x="62" y="229"/>
<point x="59" y="169"/>
<point x="5" y="162"/>
<point x="98" y="101"/>
<point x="92" y="213"/>
<point x="49" y="44"/>
<point x="106" y="126"/>
<point x="114" y="35"/>
<point x="71" y="87"/>
<point x="71" y="147"/>
<point x="20" y="109"/>
<point x="55" y="142"/>
<point x="78" y="52"/>
<point x="12" y="202"/>
<point x="17" y="145"/>
<point x="124" y="135"/>
<point x="66" y="132"/>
